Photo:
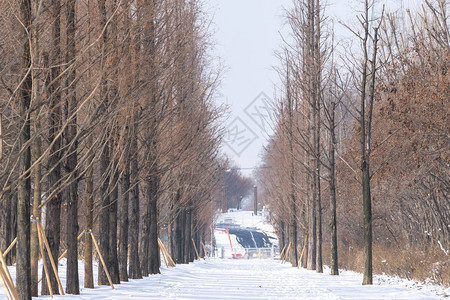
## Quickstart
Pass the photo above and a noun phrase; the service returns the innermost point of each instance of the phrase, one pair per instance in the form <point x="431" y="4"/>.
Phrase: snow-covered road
<point x="247" y="279"/>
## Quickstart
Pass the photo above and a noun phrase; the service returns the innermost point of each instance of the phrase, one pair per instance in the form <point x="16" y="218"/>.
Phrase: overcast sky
<point x="247" y="33"/>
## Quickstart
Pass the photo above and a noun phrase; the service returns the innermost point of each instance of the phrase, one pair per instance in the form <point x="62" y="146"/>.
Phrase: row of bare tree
<point x="109" y="132"/>
<point x="362" y="125"/>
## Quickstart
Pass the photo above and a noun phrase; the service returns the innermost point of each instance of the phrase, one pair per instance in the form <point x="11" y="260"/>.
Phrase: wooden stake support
<point x="50" y="256"/>
<point x="98" y="251"/>
<point x="204" y="248"/>
<point x="10" y="247"/>
<point x="282" y="252"/>
<point x="5" y="271"/>
<point x="5" y="276"/>
<point x="6" y="285"/>
<point x="2" y="281"/>
<point x="170" y="262"/>
<point x="287" y="253"/>
<point x="47" y="276"/>
<point x="301" y="256"/>
<point x="166" y="254"/>
<point x="6" y="279"/>
<point x="101" y="258"/>
<point x="195" y="248"/>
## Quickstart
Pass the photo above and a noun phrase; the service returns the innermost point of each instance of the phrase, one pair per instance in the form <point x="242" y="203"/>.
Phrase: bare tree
<point x="24" y="186"/>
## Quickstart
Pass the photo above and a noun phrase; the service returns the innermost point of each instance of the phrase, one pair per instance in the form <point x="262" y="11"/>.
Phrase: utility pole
<point x="255" y="201"/>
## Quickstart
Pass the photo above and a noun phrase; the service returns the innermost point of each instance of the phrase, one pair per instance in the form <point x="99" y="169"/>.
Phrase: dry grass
<point x="418" y="264"/>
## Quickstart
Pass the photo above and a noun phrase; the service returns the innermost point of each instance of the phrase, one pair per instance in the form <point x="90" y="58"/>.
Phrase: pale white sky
<point x="247" y="33"/>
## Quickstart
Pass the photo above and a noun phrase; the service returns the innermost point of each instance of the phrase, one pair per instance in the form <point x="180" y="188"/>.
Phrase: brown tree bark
<point x="332" y="186"/>
<point x="123" y="218"/>
<point x="37" y="151"/>
<point x="177" y="238"/>
<point x="135" y="265"/>
<point x="154" y="258"/>
<point x="105" y="159"/>
<point x="11" y="226"/>
<point x="293" y="239"/>
<point x="88" y="227"/>
<point x="187" y="238"/>
<point x="71" y="191"/>
<point x="318" y="94"/>
<point x="367" y="99"/>
<point x="311" y="133"/>
<point x="36" y="215"/>
<point x="53" y="206"/>
<point x="145" y="235"/>
<point x="113" y="261"/>
<point x="23" y="267"/>
<point x="103" y="220"/>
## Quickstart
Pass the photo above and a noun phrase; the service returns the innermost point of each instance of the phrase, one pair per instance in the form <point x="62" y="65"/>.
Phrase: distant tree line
<point x="235" y="187"/>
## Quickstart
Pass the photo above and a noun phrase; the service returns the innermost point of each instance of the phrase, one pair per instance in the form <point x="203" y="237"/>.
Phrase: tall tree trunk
<point x="364" y="167"/>
<point x="105" y="159"/>
<point x="123" y="218"/>
<point x="4" y="225"/>
<point x="171" y="234"/>
<point x="11" y="231"/>
<point x="135" y="265"/>
<point x="53" y="207"/>
<point x="293" y="238"/>
<point x="23" y="267"/>
<point x="332" y="185"/>
<point x="71" y="192"/>
<point x="114" y="97"/>
<point x="179" y="236"/>
<point x="124" y="201"/>
<point x="367" y="223"/>
<point x="366" y="124"/>
<point x="113" y="261"/>
<point x="145" y="235"/>
<point x="177" y="231"/>
<point x="311" y="132"/>
<point x="318" y="92"/>
<point x="154" y="260"/>
<point x="88" y="227"/>
<point x="292" y="198"/>
<point x="312" y="240"/>
<point x="89" y="180"/>
<point x="36" y="213"/>
<point x="187" y="239"/>
<point x="319" y="265"/>
<point x="103" y="220"/>
<point x="193" y="254"/>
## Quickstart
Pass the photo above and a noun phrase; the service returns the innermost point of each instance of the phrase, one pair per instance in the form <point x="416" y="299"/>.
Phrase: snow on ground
<point x="245" y="279"/>
<point x="249" y="279"/>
